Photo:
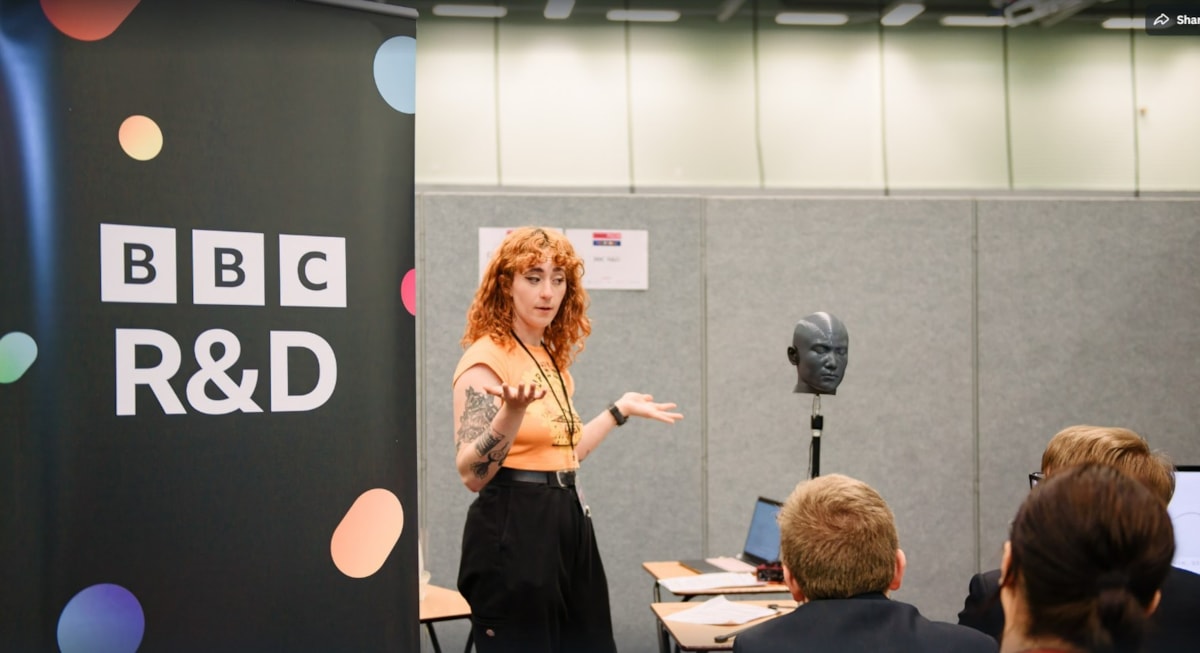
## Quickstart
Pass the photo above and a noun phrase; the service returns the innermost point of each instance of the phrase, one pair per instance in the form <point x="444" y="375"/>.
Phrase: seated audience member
<point x="841" y="557"/>
<point x="1175" y="626"/>
<point x="1082" y="568"/>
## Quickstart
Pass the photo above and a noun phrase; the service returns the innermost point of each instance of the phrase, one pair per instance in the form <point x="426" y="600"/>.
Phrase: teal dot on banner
<point x="103" y="618"/>
<point x="17" y="353"/>
<point x="396" y="73"/>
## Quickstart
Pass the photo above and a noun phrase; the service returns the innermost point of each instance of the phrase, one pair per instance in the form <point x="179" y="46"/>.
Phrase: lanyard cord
<point x="568" y="416"/>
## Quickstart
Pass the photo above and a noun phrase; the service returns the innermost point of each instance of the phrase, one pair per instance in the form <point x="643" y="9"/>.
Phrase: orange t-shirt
<point x="543" y="442"/>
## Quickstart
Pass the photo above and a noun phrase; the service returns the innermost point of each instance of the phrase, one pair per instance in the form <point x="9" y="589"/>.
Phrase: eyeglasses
<point x="1035" y="478"/>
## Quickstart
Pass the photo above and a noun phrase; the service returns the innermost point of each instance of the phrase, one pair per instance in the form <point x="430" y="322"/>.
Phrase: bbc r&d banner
<point x="207" y="387"/>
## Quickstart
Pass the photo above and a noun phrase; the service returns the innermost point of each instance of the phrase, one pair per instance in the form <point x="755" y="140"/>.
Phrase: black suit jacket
<point x="869" y="622"/>
<point x="1174" y="627"/>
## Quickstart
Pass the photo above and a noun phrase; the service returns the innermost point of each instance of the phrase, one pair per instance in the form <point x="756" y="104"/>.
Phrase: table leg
<point x="433" y="637"/>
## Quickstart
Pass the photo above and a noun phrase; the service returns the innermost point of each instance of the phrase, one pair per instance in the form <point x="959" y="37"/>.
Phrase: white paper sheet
<point x="720" y="611"/>
<point x="701" y="582"/>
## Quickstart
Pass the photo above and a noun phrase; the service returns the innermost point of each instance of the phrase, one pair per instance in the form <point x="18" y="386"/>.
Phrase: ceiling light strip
<point x="643" y="15"/>
<point x="901" y="13"/>
<point x="558" y="9"/>
<point x="973" y="21"/>
<point x="809" y="18"/>
<point x="469" y="11"/>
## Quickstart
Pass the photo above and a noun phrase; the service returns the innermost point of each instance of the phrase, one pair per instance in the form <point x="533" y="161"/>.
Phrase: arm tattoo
<point x="476" y="419"/>
<point x="488" y="442"/>
<point x="484" y="448"/>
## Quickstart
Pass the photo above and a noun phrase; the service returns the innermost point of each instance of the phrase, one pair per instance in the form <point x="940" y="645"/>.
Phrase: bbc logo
<point x="138" y="264"/>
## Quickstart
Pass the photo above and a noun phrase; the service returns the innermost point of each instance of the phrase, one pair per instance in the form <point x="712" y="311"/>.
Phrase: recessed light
<point x="901" y="13"/>
<point x="469" y="11"/>
<point x="809" y="18"/>
<point x="558" y="9"/>
<point x="1117" y="22"/>
<point x="973" y="21"/>
<point x="643" y="15"/>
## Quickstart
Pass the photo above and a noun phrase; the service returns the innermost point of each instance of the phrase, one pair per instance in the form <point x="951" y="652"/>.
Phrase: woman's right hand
<point x="517" y="397"/>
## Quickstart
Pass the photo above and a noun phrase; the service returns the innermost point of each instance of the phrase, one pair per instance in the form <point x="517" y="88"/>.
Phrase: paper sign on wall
<point x="489" y="240"/>
<point x="613" y="259"/>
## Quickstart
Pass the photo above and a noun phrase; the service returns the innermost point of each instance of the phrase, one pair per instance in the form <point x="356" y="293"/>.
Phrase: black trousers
<point x="532" y="574"/>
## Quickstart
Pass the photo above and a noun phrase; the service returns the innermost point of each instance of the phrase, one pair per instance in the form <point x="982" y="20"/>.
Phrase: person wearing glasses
<point x="841" y="557"/>
<point x="1086" y="556"/>
<point x="1174" y="626"/>
<point x="530" y="566"/>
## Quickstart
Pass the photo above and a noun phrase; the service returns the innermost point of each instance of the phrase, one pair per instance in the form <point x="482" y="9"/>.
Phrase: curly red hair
<point x="491" y="312"/>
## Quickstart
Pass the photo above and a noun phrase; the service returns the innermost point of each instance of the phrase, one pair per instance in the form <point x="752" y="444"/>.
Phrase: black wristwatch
<point x="616" y="413"/>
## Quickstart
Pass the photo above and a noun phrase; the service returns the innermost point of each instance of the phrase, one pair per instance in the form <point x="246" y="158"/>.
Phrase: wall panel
<point x="1168" y="101"/>
<point x="898" y="273"/>
<point x="1087" y="315"/>
<point x="692" y="102"/>
<point x="563" y="104"/>
<point x="944" y="121"/>
<point x="820" y="113"/>
<point x="1070" y="103"/>
<point x="456" y="102"/>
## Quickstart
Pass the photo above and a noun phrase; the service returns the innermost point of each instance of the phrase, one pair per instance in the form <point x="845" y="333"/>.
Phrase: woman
<point x="1081" y="572"/>
<point x="530" y="567"/>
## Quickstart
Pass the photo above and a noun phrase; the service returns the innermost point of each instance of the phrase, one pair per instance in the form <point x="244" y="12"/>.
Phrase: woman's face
<point x="537" y="294"/>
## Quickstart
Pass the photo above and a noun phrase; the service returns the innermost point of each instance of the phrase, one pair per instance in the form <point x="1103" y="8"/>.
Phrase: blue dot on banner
<point x="103" y="618"/>
<point x="396" y="73"/>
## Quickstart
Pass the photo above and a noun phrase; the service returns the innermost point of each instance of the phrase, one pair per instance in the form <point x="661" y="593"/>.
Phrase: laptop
<point x="762" y="543"/>
<point x="1185" y="517"/>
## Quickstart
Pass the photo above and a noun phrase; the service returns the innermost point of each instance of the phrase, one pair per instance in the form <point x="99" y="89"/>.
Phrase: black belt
<point x="564" y="478"/>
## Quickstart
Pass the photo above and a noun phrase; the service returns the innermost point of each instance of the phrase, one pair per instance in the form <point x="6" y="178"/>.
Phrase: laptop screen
<point x="1185" y="517"/>
<point x="762" y="541"/>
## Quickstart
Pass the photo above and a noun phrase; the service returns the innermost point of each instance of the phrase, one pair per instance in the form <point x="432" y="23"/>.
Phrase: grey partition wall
<point x="899" y="275"/>
<point x="978" y="328"/>
<point x="1089" y="313"/>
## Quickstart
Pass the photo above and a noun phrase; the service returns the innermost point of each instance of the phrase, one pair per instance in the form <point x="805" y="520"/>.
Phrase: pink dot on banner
<point x="88" y="20"/>
<point x="367" y="534"/>
<point x="408" y="291"/>
<point x="140" y="137"/>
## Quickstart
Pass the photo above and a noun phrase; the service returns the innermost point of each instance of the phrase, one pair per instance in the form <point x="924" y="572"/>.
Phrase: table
<point x="672" y="569"/>
<point x="701" y="637"/>
<point x="442" y="604"/>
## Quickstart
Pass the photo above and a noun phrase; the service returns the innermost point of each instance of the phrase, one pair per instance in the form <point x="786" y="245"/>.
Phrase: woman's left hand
<point x="636" y="404"/>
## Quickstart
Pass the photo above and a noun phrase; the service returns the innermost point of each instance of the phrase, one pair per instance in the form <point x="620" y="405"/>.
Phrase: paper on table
<point x="702" y="582"/>
<point x="732" y="564"/>
<point x="720" y="611"/>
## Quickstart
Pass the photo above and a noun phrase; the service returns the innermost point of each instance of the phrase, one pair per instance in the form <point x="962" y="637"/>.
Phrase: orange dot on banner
<point x="88" y="20"/>
<point x="367" y="534"/>
<point x="140" y="138"/>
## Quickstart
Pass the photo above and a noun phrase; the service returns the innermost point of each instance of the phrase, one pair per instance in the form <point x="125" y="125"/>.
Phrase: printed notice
<point x="489" y="239"/>
<point x="613" y="259"/>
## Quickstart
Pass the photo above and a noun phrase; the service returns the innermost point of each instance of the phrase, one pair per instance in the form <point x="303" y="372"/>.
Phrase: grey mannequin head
<point x="820" y="350"/>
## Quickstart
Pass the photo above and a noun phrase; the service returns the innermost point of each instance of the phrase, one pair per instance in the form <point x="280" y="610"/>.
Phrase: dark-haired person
<point x="841" y="556"/>
<point x="1088" y="551"/>
<point x="530" y="567"/>
<point x="1174" y="626"/>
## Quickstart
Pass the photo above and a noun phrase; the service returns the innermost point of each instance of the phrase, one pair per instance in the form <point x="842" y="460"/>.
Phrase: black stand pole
<point x="816" y="422"/>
